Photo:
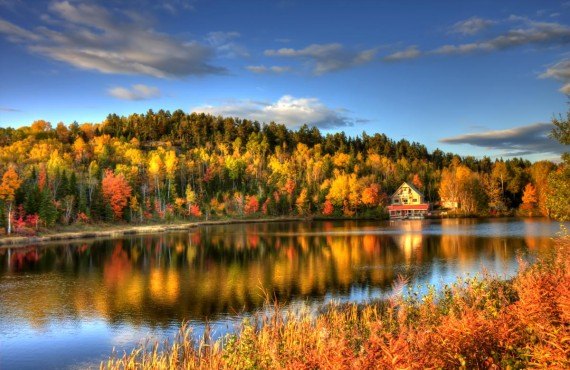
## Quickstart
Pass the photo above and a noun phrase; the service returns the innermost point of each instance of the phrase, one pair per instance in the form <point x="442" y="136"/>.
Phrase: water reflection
<point x="157" y="280"/>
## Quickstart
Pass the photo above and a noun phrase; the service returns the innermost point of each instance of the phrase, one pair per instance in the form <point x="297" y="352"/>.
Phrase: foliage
<point x="558" y="198"/>
<point x="558" y="192"/>
<point x="116" y="191"/>
<point x="251" y="205"/>
<point x="173" y="161"/>
<point x="10" y="183"/>
<point x="328" y="208"/>
<point x="529" y="200"/>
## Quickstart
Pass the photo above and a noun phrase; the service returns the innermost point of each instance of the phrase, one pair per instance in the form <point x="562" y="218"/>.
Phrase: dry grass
<point x="477" y="323"/>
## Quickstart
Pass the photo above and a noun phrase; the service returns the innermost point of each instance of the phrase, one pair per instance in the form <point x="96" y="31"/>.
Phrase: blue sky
<point x="476" y="78"/>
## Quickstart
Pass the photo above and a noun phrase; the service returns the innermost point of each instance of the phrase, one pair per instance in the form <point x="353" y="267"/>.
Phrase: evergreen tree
<point x="47" y="210"/>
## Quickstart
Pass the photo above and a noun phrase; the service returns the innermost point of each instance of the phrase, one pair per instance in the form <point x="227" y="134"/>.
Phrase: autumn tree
<point x="170" y="166"/>
<point x="500" y="173"/>
<point x="328" y="208"/>
<point x="156" y="172"/>
<point x="417" y="181"/>
<point x="449" y="188"/>
<point x="371" y="195"/>
<point x="529" y="200"/>
<point x="10" y="183"/>
<point x="461" y="188"/>
<point x="116" y="191"/>
<point x="251" y="205"/>
<point x="539" y="172"/>
<point x="302" y="202"/>
<point x="345" y="192"/>
<point x="190" y="197"/>
<point x="558" y="197"/>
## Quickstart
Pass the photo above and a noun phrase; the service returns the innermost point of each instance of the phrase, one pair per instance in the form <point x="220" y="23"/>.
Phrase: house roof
<point x="411" y="186"/>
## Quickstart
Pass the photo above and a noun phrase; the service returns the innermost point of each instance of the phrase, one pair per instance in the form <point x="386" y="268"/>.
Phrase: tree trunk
<point x="9" y="219"/>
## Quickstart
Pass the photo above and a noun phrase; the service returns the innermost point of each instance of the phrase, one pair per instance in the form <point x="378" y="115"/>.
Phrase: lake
<point x="67" y="305"/>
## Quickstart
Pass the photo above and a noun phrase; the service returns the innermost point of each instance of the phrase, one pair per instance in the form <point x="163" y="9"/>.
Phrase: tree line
<point x="165" y="166"/>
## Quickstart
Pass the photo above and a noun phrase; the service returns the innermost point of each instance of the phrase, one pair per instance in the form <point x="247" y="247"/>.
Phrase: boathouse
<point x="407" y="202"/>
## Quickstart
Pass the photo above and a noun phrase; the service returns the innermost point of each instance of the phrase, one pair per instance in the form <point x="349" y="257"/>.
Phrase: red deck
<point x="408" y="207"/>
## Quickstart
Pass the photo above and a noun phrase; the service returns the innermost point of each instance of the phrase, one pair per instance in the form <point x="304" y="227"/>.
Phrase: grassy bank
<point x="90" y="231"/>
<point x="476" y="323"/>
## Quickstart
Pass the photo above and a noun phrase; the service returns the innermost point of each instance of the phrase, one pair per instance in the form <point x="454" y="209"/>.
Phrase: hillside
<point x="164" y="166"/>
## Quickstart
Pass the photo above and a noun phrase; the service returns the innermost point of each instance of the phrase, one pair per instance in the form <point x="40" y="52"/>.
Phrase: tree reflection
<point x="159" y="279"/>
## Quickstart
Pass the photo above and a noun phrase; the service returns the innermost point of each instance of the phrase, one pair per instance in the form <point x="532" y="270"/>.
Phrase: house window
<point x="415" y="200"/>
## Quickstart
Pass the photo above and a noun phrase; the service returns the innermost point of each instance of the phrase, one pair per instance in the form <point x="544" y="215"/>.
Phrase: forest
<point x="162" y="167"/>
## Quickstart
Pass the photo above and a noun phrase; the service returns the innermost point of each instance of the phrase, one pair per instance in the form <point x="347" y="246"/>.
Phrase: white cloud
<point x="561" y="72"/>
<point x="288" y="110"/>
<point x="17" y="34"/>
<point x="532" y="33"/>
<point x="136" y="92"/>
<point x="261" y="69"/>
<point x="411" y="52"/>
<point x="175" y="6"/>
<point x="471" y="26"/>
<point x="91" y="37"/>
<point x="325" y="58"/>
<point x="225" y="44"/>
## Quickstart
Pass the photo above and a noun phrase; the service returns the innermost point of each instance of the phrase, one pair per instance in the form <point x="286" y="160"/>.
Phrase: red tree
<point x="195" y="211"/>
<point x="251" y="205"/>
<point x="116" y="191"/>
<point x="328" y="208"/>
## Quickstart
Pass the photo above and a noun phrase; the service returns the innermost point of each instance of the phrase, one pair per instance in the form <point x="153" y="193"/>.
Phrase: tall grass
<point x="476" y="323"/>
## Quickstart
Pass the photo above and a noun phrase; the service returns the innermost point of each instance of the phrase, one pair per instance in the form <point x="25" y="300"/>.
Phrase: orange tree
<point x="116" y="191"/>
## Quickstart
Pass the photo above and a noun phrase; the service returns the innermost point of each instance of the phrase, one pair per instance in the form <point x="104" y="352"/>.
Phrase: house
<point x="407" y="202"/>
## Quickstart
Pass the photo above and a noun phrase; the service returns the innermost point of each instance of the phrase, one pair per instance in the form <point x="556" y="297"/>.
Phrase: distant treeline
<point x="162" y="166"/>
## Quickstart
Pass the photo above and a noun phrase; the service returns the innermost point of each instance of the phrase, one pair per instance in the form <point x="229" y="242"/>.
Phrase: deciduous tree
<point x="116" y="191"/>
<point x="10" y="183"/>
<point x="529" y="199"/>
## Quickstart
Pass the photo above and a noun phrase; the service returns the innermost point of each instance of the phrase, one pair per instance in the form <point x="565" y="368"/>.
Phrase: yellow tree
<point x="80" y="150"/>
<point x="345" y="191"/>
<point x="190" y="197"/>
<point x="461" y="188"/>
<point x="170" y="166"/>
<point x="500" y="173"/>
<point x="10" y="183"/>
<point x="155" y="167"/>
<point x="449" y="188"/>
<point x="529" y="199"/>
<point x="55" y="167"/>
<point x="302" y="202"/>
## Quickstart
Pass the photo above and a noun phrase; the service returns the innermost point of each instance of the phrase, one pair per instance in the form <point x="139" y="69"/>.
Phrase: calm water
<point x="67" y="305"/>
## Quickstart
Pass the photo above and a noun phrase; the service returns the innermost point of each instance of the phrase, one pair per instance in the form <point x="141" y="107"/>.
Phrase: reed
<point x="484" y="323"/>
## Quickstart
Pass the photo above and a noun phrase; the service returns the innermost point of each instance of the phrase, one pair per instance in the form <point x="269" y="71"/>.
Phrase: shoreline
<point x="111" y="232"/>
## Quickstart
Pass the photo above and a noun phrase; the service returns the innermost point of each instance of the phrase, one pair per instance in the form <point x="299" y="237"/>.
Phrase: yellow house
<point x="407" y="202"/>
